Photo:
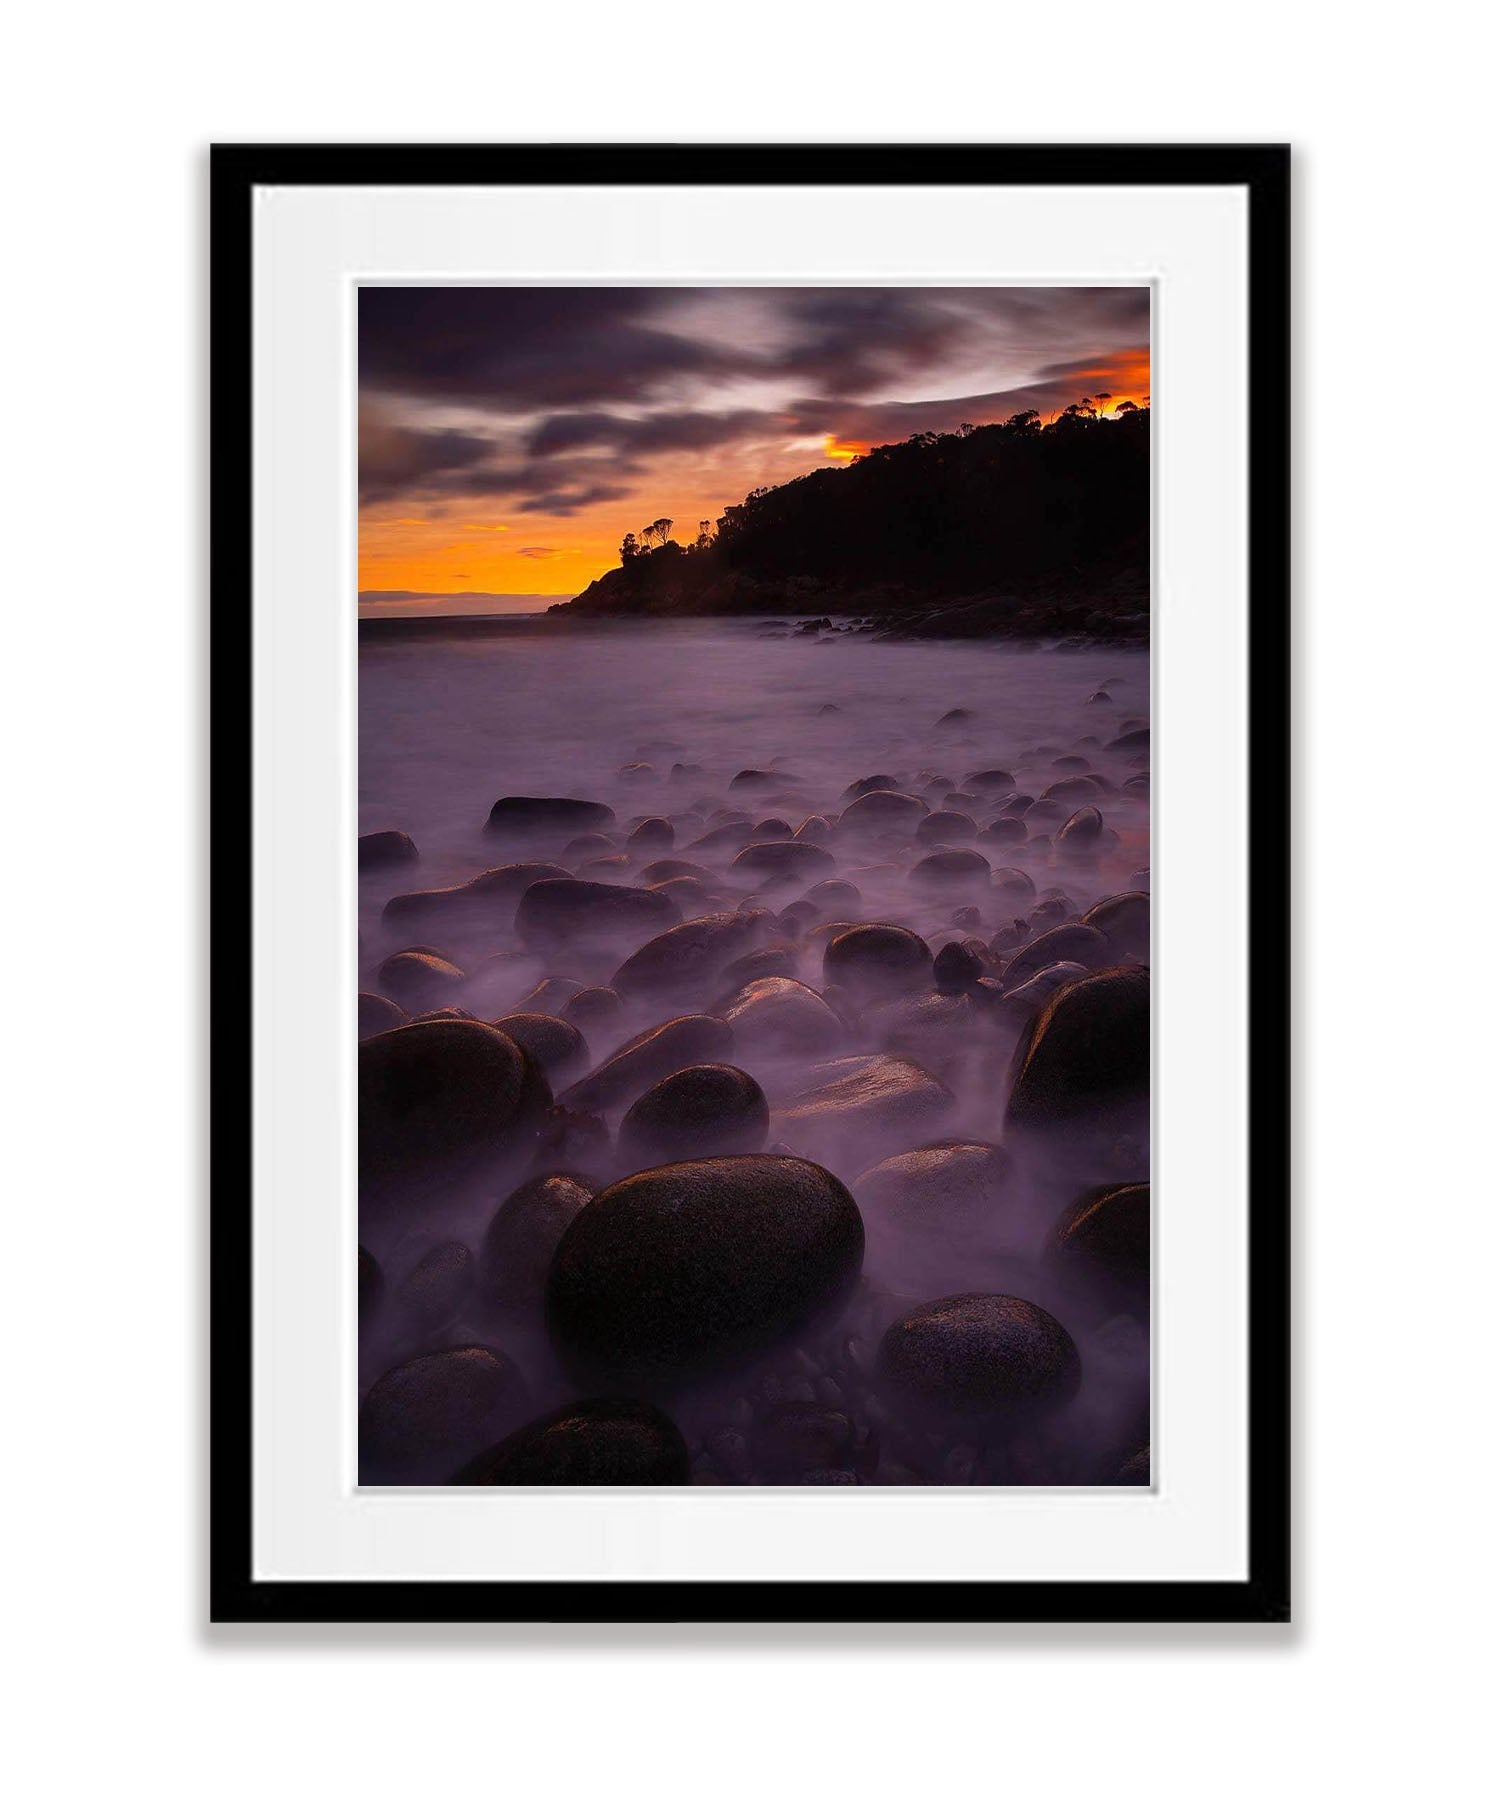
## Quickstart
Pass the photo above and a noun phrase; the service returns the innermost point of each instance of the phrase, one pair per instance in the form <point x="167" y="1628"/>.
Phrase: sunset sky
<point x="510" y="437"/>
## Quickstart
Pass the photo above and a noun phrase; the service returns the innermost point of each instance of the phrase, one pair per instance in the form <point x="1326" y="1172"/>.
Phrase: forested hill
<point x="1014" y="527"/>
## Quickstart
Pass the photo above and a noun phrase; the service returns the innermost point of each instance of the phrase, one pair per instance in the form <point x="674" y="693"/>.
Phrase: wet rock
<point x="707" y="1109"/>
<point x="580" y="849"/>
<point x="785" y="861"/>
<point x="442" y="1102"/>
<point x="436" y="1289"/>
<point x="770" y="959"/>
<point x="1125" y="919"/>
<point x="551" y="913"/>
<point x="1103" y="1241"/>
<point x="1052" y="909"/>
<point x="376" y="1014"/>
<point x="595" y="1008"/>
<point x="776" y="1016"/>
<point x="525" y="815"/>
<point x="952" y="869"/>
<point x="1083" y="832"/>
<point x="673" y="868"/>
<point x="588" y="1443"/>
<point x="557" y="1046"/>
<point x="488" y="902"/>
<point x="385" y="850"/>
<point x="550" y="995"/>
<point x="753" y="780"/>
<point x="699" y="1266"/>
<point x="1139" y="739"/>
<point x="723" y="837"/>
<point x="1100" y="698"/>
<point x="870" y="784"/>
<point x="792" y="920"/>
<point x="1009" y="937"/>
<point x="635" y="771"/>
<point x="417" y="980"/>
<point x="992" y="1355"/>
<point x="1089" y="1051"/>
<point x="990" y="781"/>
<point x="880" y="812"/>
<point x="688" y="960"/>
<point x="956" y="967"/>
<point x="1063" y="943"/>
<point x="956" y="715"/>
<point x="953" y="1197"/>
<point x="946" y="828"/>
<point x="770" y="831"/>
<point x="967" y="918"/>
<point x="1003" y="833"/>
<point x="1022" y="1002"/>
<point x="1013" y="887"/>
<point x="661" y="1050"/>
<point x="934" y="1028"/>
<point x="814" y="829"/>
<point x="521" y="1239"/>
<point x="877" y="961"/>
<point x="834" y="897"/>
<point x="424" y="1419"/>
<point x="1072" y="791"/>
<point x="861" y="1103"/>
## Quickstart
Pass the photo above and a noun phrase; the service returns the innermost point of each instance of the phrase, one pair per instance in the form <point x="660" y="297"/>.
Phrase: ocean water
<point x="446" y="726"/>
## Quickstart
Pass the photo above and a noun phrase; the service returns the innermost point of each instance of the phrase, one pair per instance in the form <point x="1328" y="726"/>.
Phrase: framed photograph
<point x="750" y="723"/>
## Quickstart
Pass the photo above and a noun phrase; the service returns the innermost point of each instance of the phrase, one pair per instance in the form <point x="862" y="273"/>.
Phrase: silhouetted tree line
<point x="982" y="507"/>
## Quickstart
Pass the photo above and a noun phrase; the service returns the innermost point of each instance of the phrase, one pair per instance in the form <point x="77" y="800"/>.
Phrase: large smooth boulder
<point x="553" y="913"/>
<point x="954" y="1196"/>
<point x="1102" y="1243"/>
<point x="946" y="828"/>
<point x="442" y="1102"/>
<point x="686" y="961"/>
<point x="435" y="1289"/>
<point x="781" y="860"/>
<point x="1087" y="1052"/>
<point x="520" y="1240"/>
<point x="1075" y="943"/>
<point x="873" y="814"/>
<point x="423" y="1420"/>
<point x="487" y="902"/>
<point x="1082" y="834"/>
<point x="989" y="1355"/>
<point x="1125" y="919"/>
<point x="527" y="815"/>
<point x="588" y="1443"/>
<point x="707" y="1109"/>
<point x="700" y="1266"/>
<point x="419" y="980"/>
<point x="863" y="1103"/>
<point x="377" y="1014"/>
<point x="647" y="1057"/>
<point x="877" y="961"/>
<point x="948" y="869"/>
<point x="990" y="781"/>
<point x="385" y="850"/>
<point x="776" y="1016"/>
<point x="556" y="1046"/>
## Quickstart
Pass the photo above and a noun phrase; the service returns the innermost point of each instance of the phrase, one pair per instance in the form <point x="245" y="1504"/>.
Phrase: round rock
<point x="699" y="1266"/>
<point x="423" y="1420"/>
<point x="993" y="1355"/>
<point x="521" y="1239"/>
<point x="707" y="1109"/>
<point x="590" y="1443"/>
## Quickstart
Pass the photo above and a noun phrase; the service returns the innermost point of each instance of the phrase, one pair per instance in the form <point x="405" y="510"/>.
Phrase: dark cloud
<point x="657" y="431"/>
<point x="398" y="460"/>
<point x="522" y="348"/>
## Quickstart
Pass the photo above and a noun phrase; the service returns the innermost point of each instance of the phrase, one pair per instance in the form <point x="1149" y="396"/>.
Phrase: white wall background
<point x="1377" y="1689"/>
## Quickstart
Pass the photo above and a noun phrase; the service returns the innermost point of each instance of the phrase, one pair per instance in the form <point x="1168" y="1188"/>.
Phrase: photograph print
<point x="754" y="886"/>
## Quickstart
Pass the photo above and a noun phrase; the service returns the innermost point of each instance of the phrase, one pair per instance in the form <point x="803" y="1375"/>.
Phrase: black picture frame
<point x="1263" y="172"/>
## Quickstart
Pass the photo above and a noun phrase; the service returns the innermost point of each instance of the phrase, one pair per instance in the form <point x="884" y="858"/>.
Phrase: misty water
<point x="656" y="721"/>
